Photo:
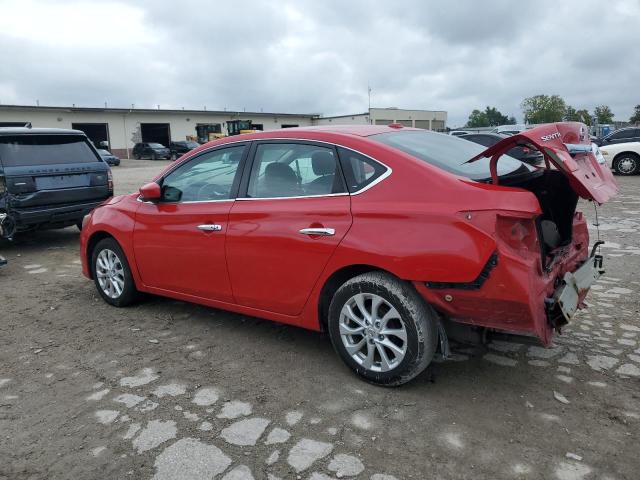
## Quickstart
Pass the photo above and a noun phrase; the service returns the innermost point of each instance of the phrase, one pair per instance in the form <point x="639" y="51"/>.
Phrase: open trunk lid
<point x="567" y="147"/>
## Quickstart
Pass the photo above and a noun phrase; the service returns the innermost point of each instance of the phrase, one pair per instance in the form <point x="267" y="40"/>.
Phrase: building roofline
<point x="344" y="116"/>
<point x="153" y="110"/>
<point x="408" y="109"/>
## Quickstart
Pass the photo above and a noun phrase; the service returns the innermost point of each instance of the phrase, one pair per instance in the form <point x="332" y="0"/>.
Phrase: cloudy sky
<point x="319" y="56"/>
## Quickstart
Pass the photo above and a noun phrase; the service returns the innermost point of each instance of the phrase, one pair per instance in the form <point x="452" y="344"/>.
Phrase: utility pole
<point x="369" y="94"/>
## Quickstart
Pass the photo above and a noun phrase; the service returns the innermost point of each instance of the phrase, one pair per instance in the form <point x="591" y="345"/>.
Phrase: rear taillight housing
<point x="110" y="181"/>
<point x="519" y="234"/>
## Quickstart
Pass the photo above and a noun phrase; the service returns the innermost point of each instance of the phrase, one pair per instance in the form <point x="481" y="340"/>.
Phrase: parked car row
<point x="157" y="151"/>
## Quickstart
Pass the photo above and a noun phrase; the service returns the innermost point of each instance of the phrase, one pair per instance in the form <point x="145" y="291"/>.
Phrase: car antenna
<point x="27" y="125"/>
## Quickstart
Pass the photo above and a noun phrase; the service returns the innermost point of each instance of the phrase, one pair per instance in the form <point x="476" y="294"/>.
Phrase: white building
<point x="121" y="128"/>
<point x="426" y="119"/>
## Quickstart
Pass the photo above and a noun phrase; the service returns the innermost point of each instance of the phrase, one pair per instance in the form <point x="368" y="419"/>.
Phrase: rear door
<point x="52" y="169"/>
<point x="567" y="147"/>
<point x="283" y="230"/>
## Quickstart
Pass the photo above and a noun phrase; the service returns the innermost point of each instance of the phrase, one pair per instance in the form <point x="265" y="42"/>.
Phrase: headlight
<point x="598" y="154"/>
<point x="85" y="219"/>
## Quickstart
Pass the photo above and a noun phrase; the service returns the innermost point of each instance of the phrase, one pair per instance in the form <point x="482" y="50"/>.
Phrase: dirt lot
<point x="173" y="390"/>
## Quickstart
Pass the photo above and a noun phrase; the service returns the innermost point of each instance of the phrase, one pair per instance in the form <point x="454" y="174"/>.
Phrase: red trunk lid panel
<point x="589" y="178"/>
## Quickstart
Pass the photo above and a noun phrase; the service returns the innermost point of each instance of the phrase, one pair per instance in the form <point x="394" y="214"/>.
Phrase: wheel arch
<point x="333" y="283"/>
<point x="625" y="153"/>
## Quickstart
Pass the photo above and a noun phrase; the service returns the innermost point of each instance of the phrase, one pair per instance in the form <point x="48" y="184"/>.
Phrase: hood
<point x="566" y="147"/>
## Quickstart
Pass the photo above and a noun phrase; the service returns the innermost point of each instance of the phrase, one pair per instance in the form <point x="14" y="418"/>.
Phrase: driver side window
<point x="207" y="177"/>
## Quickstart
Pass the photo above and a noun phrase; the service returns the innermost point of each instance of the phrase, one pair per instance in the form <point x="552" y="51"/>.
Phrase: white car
<point x="624" y="158"/>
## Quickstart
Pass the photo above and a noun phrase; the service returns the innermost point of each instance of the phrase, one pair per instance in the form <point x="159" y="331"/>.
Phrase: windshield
<point x="156" y="145"/>
<point x="29" y="150"/>
<point x="449" y="153"/>
<point x="192" y="144"/>
<point x="103" y="152"/>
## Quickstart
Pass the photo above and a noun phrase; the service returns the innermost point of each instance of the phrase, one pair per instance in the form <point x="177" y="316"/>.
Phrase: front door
<point x="283" y="232"/>
<point x="179" y="242"/>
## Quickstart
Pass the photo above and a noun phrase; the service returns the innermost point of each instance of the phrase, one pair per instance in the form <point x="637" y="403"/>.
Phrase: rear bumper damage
<point x="574" y="286"/>
<point x="57" y="216"/>
<point x="515" y="294"/>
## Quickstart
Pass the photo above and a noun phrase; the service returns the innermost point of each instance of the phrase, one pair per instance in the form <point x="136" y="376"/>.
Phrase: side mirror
<point x="150" y="192"/>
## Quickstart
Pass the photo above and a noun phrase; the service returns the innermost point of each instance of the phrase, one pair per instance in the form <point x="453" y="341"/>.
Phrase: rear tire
<point x="136" y="156"/>
<point x="627" y="164"/>
<point x="112" y="274"/>
<point x="394" y="339"/>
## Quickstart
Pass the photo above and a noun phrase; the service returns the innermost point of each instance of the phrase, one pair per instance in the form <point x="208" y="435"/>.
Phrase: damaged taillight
<point x="518" y="233"/>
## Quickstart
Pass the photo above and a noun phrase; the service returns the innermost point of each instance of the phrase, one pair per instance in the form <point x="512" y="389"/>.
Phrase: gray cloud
<point x="307" y="56"/>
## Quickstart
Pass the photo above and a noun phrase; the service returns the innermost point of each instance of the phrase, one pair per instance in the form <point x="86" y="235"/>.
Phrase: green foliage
<point x="491" y="117"/>
<point x="584" y="116"/>
<point x="603" y="113"/>
<point x="543" y="109"/>
<point x="570" y="114"/>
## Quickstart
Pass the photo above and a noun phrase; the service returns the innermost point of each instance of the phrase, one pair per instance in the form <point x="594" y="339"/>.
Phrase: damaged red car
<point x="388" y="238"/>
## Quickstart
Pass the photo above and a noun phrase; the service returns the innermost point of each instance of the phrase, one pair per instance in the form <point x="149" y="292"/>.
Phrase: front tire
<point x="382" y="328"/>
<point x="627" y="164"/>
<point x="112" y="274"/>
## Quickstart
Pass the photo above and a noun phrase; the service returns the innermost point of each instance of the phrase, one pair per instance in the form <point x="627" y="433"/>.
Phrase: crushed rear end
<point x="543" y="264"/>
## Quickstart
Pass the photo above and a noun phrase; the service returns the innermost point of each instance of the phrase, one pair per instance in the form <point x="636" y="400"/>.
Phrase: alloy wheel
<point x="627" y="165"/>
<point x="110" y="273"/>
<point x="373" y="332"/>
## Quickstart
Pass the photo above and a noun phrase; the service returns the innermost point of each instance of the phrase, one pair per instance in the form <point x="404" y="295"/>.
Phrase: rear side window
<point x="360" y="171"/>
<point x="30" y="150"/>
<point x="449" y="153"/>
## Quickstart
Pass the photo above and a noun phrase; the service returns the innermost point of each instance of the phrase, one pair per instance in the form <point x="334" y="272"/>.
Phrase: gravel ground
<point x="170" y="390"/>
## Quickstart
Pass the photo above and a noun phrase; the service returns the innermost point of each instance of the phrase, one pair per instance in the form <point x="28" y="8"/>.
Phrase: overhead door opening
<point x="98" y="133"/>
<point x="13" y="124"/>
<point x="155" y="133"/>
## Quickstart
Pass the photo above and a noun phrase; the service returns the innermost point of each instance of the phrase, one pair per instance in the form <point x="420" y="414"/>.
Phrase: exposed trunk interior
<point x="558" y="202"/>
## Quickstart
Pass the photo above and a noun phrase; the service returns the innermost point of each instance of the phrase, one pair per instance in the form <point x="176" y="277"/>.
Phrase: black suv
<point x="622" y="135"/>
<point x="181" y="147"/>
<point x="49" y="178"/>
<point x="154" y="151"/>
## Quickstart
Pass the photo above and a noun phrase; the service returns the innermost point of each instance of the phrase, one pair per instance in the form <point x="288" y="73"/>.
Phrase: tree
<point x="491" y="117"/>
<point x="584" y="116"/>
<point x="571" y="114"/>
<point x="495" y="117"/>
<point x="635" y="118"/>
<point x="477" y="119"/>
<point x="543" y="109"/>
<point x="603" y="113"/>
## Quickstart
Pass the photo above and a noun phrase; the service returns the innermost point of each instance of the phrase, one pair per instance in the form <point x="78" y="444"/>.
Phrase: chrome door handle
<point x="210" y="227"/>
<point x="324" y="232"/>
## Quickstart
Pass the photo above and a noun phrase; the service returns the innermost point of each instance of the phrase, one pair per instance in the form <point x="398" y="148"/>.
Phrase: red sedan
<point x="386" y="237"/>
